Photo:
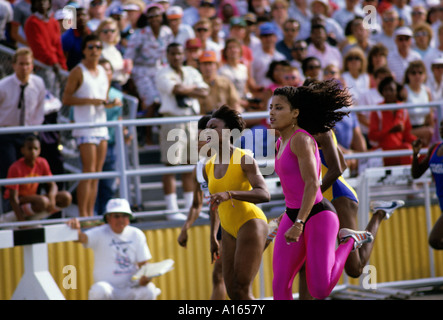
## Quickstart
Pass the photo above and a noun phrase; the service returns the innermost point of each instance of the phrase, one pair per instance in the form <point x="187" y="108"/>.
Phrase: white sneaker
<point x="176" y="216"/>
<point x="387" y="206"/>
<point x="360" y="237"/>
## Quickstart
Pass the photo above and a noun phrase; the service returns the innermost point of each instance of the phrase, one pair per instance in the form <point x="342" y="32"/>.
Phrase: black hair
<point x="319" y="104"/>
<point x="31" y="138"/>
<point x="33" y="2"/>
<point x="173" y="45"/>
<point x="305" y="62"/>
<point x="88" y="38"/>
<point x="231" y="117"/>
<point x="388" y="80"/>
<point x="203" y="121"/>
<point x="273" y="65"/>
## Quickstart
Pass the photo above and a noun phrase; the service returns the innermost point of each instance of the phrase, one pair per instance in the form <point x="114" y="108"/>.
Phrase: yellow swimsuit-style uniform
<point x="233" y="217"/>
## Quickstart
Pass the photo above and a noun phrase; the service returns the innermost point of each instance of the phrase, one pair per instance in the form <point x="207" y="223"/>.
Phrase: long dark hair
<point x="319" y="104"/>
<point x="233" y="119"/>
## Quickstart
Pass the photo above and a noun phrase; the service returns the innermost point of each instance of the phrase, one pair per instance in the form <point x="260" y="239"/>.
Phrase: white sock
<point x="189" y="198"/>
<point x="171" y="201"/>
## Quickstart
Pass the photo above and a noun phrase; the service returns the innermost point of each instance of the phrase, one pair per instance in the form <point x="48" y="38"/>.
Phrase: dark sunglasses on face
<point x="153" y="15"/>
<point x="404" y="38"/>
<point x="330" y="72"/>
<point x="421" y="34"/>
<point x="96" y="46"/>
<point x="311" y="67"/>
<point x="106" y="31"/>
<point x="299" y="49"/>
<point x="413" y="73"/>
<point x="353" y="58"/>
<point x="202" y="29"/>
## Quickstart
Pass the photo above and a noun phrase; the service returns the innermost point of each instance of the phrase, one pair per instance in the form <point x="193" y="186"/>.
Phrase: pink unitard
<point x="316" y="247"/>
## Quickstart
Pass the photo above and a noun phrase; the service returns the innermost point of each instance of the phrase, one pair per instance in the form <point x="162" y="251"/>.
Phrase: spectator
<point x="134" y="9"/>
<point x="346" y="14"/>
<point x="221" y="89"/>
<point x="436" y="26"/>
<point x="390" y="22"/>
<point x="264" y="55"/>
<point x="236" y="71"/>
<point x="109" y="34"/>
<point x="22" y="11"/>
<point x="320" y="10"/>
<point x="279" y="15"/>
<point x="44" y="38"/>
<point x="87" y="92"/>
<point x="119" y="251"/>
<point x="250" y="39"/>
<point x="5" y="19"/>
<point x="276" y="73"/>
<point x="377" y="58"/>
<point x="321" y="49"/>
<point x="238" y="32"/>
<point x="422" y="39"/>
<point x="399" y="59"/>
<point x="147" y="50"/>
<point x="203" y="30"/>
<point x="206" y="9"/>
<point x="391" y="129"/>
<point x="422" y="119"/>
<point x="193" y="51"/>
<point x="404" y="12"/>
<point x="217" y="34"/>
<point x="226" y="11"/>
<point x="17" y="108"/>
<point x="300" y="11"/>
<point x="181" y="32"/>
<point x="24" y="198"/>
<point x="179" y="87"/>
<point x="191" y="14"/>
<point x="299" y="53"/>
<point x="72" y="39"/>
<point x="361" y="35"/>
<point x="311" y="67"/>
<point x="435" y="79"/>
<point x="106" y="187"/>
<point x="436" y="51"/>
<point x="260" y="8"/>
<point x="97" y="13"/>
<point x="290" y="31"/>
<point x="418" y="16"/>
<point x="354" y="72"/>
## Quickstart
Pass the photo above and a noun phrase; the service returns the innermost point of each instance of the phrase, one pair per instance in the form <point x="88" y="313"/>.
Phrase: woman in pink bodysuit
<point x="308" y="229"/>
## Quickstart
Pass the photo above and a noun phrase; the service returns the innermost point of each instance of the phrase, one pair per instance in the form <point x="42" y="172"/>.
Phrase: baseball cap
<point x="266" y="28"/>
<point x="194" y="43"/>
<point x="208" y="56"/>
<point x="118" y="205"/>
<point x="134" y="5"/>
<point x="237" y="21"/>
<point x="403" y="31"/>
<point x="174" y="12"/>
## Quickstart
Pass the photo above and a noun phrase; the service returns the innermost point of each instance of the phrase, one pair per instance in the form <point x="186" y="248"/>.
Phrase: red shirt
<point x="19" y="169"/>
<point x="44" y="39"/>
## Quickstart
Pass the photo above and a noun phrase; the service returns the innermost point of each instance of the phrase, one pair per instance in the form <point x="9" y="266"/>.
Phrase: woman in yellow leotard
<point x="236" y="185"/>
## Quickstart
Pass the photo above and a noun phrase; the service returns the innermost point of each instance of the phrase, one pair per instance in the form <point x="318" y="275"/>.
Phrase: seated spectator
<point x="193" y="51"/>
<point x="311" y="67"/>
<point x="250" y="39"/>
<point x="292" y="77"/>
<point x="279" y="15"/>
<point x="97" y="13"/>
<point x="109" y="34"/>
<point x="390" y="22"/>
<point x="422" y="119"/>
<point x="203" y="30"/>
<point x="290" y="32"/>
<point x="355" y="76"/>
<point x="276" y="72"/>
<point x="238" y="32"/>
<point x="377" y="58"/>
<point x="217" y="34"/>
<point x="320" y="48"/>
<point x="418" y="15"/>
<point x="361" y="36"/>
<point x="227" y="10"/>
<point x="435" y="79"/>
<point x="299" y="53"/>
<point x="423" y="35"/>
<point x="23" y="198"/>
<point x="119" y="251"/>
<point x="391" y="129"/>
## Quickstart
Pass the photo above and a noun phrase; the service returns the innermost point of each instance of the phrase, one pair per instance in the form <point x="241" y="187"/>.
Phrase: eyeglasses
<point x="413" y="73"/>
<point x="403" y="38"/>
<point x="291" y="29"/>
<point x="299" y="49"/>
<point x="202" y="29"/>
<point x="417" y="13"/>
<point x="96" y="46"/>
<point x="106" y="31"/>
<point x="290" y="77"/>
<point x="330" y="72"/>
<point x="154" y="15"/>
<point x="311" y="67"/>
<point x="389" y="19"/>
<point x="353" y="58"/>
<point x="421" y="34"/>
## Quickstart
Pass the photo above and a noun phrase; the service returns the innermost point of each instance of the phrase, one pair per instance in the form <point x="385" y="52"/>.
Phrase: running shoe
<point x="360" y="237"/>
<point x="387" y="206"/>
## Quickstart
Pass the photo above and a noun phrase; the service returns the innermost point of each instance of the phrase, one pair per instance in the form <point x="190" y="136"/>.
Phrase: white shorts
<point x="92" y="140"/>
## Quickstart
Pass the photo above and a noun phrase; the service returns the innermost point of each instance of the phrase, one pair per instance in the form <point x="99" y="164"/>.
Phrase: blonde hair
<point x="359" y="53"/>
<point x="105" y="22"/>
<point x="425" y="27"/>
<point x="24" y="51"/>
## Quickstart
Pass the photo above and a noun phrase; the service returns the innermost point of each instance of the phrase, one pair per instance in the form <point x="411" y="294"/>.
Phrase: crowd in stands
<point x="242" y="50"/>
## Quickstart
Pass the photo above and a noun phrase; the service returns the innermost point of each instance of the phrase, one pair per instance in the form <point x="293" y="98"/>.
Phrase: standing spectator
<point x="179" y="87"/>
<point x="399" y="59"/>
<point x="354" y="72"/>
<point x="22" y="11"/>
<point x="221" y="89"/>
<point x="119" y="251"/>
<point x="264" y="55"/>
<point x="44" y="38"/>
<point x="147" y="50"/>
<point x="133" y="9"/>
<point x="24" y="198"/>
<point x="422" y="39"/>
<point x="109" y="34"/>
<point x="87" y="91"/>
<point x="181" y="32"/>
<point x="226" y="11"/>
<point x="97" y="13"/>
<point x="435" y="79"/>
<point x="290" y="32"/>
<point x="391" y="129"/>
<point x="320" y="48"/>
<point x="422" y="119"/>
<point x="72" y="38"/>
<point x="22" y="97"/>
<point x="390" y="22"/>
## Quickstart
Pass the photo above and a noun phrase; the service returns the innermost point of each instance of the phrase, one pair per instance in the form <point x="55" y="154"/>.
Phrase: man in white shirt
<point x="390" y="22"/>
<point x="179" y="87"/>
<point x="119" y="251"/>
<point x="19" y="107"/>
<point x="399" y="60"/>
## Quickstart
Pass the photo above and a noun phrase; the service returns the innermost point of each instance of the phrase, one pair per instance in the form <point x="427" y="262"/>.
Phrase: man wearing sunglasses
<point x="119" y="251"/>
